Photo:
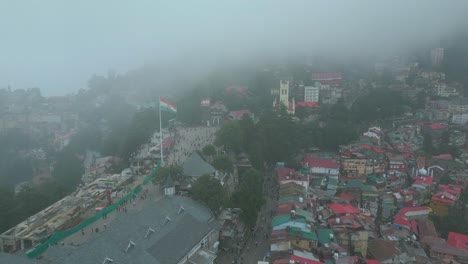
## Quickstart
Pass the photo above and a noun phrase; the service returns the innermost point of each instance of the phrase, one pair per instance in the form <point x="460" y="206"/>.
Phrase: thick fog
<point x="57" y="45"/>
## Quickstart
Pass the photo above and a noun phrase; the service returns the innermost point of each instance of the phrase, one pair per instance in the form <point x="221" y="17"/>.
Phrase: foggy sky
<point x="57" y="45"/>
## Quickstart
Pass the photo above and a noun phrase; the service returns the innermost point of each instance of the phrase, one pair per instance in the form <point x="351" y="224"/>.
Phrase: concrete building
<point x="332" y="79"/>
<point x="322" y="166"/>
<point x="437" y="56"/>
<point x="458" y="106"/>
<point x="442" y="90"/>
<point x="354" y="167"/>
<point x="311" y="94"/>
<point x="460" y="119"/>
<point x="330" y="94"/>
<point x="171" y="230"/>
<point x="169" y="187"/>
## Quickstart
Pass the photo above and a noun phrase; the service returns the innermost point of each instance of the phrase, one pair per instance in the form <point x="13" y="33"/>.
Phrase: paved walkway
<point x="189" y="139"/>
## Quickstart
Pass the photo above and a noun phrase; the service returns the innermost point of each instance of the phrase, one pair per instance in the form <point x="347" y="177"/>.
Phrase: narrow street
<point x="257" y="243"/>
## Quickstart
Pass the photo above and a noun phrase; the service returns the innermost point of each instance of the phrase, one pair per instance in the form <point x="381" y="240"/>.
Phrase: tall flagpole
<point x="160" y="133"/>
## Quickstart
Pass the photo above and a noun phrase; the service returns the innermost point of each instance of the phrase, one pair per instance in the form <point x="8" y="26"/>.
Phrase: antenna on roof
<point x="166" y="220"/>
<point x="181" y="209"/>
<point x="107" y="260"/>
<point x="150" y="230"/>
<point x="130" y="244"/>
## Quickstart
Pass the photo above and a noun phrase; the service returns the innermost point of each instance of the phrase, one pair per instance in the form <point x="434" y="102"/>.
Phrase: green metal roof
<point x="293" y="231"/>
<point x="374" y="178"/>
<point x="324" y="236"/>
<point x="281" y="219"/>
<point x="358" y="184"/>
<point x="333" y="181"/>
<point x="304" y="213"/>
<point x="288" y="198"/>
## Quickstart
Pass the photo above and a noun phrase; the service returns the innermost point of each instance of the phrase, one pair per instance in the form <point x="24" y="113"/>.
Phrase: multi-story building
<point x="442" y="90"/>
<point x="354" y="167"/>
<point x="328" y="78"/>
<point x="329" y="94"/>
<point x="396" y="162"/>
<point x="322" y="166"/>
<point x="311" y="94"/>
<point x="458" y="106"/>
<point x="437" y="56"/>
<point x="460" y="119"/>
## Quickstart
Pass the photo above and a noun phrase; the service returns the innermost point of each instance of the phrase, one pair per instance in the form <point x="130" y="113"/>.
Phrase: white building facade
<point x="460" y="119"/>
<point x="311" y="94"/>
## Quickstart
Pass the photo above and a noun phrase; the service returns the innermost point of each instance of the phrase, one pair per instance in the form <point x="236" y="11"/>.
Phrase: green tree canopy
<point x="223" y="163"/>
<point x="209" y="150"/>
<point x="68" y="169"/>
<point x="172" y="170"/>
<point x="209" y="190"/>
<point x="427" y="144"/>
<point x="378" y="104"/>
<point x="249" y="196"/>
<point x="230" y="137"/>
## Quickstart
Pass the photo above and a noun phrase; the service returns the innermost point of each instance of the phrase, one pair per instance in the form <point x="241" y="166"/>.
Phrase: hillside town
<point x="331" y="168"/>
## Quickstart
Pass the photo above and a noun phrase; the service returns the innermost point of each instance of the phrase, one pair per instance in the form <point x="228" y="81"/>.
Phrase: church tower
<point x="284" y="93"/>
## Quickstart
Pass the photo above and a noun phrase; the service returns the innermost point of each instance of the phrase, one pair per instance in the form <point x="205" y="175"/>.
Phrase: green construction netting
<point x="60" y="235"/>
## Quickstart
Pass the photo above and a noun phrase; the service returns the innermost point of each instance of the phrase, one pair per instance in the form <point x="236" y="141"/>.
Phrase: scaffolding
<point x="60" y="235"/>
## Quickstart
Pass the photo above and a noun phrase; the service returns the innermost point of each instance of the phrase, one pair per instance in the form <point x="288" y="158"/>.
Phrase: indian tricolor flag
<point x="166" y="106"/>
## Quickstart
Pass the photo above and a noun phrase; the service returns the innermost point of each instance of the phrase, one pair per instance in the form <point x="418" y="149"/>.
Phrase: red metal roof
<point x="320" y="162"/>
<point x="283" y="209"/>
<point x="444" y="200"/>
<point x="326" y="76"/>
<point x="450" y="188"/>
<point x="304" y="260"/>
<point x="423" y="180"/>
<point x="236" y="89"/>
<point x="405" y="210"/>
<point x="343" y="208"/>
<point x="378" y="150"/>
<point x="457" y="240"/>
<point x="344" y="196"/>
<point x="400" y="220"/>
<point x="365" y="146"/>
<point x="239" y="114"/>
<point x="372" y="261"/>
<point x="308" y="104"/>
<point x="283" y="172"/>
<point x="414" y="227"/>
<point x="281" y="261"/>
<point x="436" y="126"/>
<point x="443" y="157"/>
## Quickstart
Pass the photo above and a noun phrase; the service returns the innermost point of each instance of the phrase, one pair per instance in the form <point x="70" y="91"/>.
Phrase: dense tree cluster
<point x="172" y="170"/>
<point x="223" y="163"/>
<point x="249" y="196"/>
<point x="456" y="61"/>
<point x="455" y="221"/>
<point x="378" y="104"/>
<point x="15" y="167"/>
<point x="209" y="191"/>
